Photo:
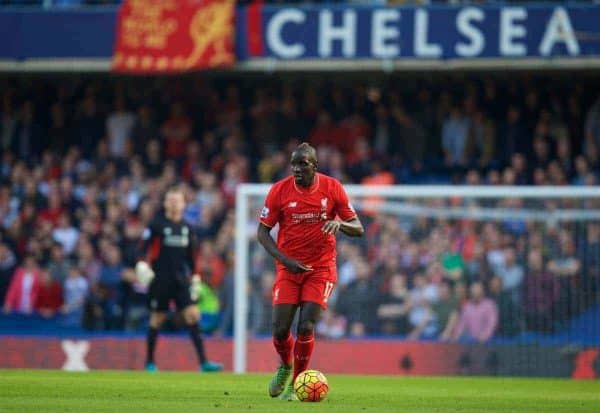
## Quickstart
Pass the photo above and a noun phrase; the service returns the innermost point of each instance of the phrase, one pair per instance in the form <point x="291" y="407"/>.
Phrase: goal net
<point x="535" y="251"/>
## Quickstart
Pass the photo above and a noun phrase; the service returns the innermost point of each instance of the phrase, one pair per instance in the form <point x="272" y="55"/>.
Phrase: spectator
<point x="409" y="142"/>
<point x="511" y="274"/>
<point x="541" y="294"/>
<point x="359" y="160"/>
<point x="58" y="266"/>
<point x="582" y="169"/>
<point x="89" y="126"/>
<point x="75" y="290"/>
<point x="479" y="317"/>
<point x="477" y="269"/>
<point x="331" y="325"/>
<point x="65" y="234"/>
<point x="590" y="259"/>
<point x="54" y="210"/>
<point x="87" y="261"/>
<point x="59" y="134"/>
<point x="481" y="141"/>
<point x="24" y="288"/>
<point x="515" y="134"/>
<point x="592" y="124"/>
<point x="119" y="126"/>
<point x="508" y="313"/>
<point x="541" y="152"/>
<point x="49" y="299"/>
<point x="144" y="128"/>
<point x="264" y="121"/>
<point x="8" y="262"/>
<point x="356" y="302"/>
<point x="153" y="160"/>
<point x="420" y="317"/>
<point x="454" y="137"/>
<point x="106" y="300"/>
<point x="326" y="133"/>
<point x="518" y="164"/>
<point x="393" y="307"/>
<point x="8" y="124"/>
<point x="566" y="267"/>
<point x="28" y="140"/>
<point x="445" y="312"/>
<point x="564" y="156"/>
<point x="177" y="131"/>
<point x="210" y="265"/>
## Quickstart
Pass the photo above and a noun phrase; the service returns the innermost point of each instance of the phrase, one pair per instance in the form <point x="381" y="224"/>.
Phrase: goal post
<point x="409" y="202"/>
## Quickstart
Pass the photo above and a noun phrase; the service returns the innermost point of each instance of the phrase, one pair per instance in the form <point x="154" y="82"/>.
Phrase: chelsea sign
<point x="419" y="33"/>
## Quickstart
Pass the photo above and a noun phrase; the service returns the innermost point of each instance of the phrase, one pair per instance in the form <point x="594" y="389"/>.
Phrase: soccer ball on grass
<point x="311" y="386"/>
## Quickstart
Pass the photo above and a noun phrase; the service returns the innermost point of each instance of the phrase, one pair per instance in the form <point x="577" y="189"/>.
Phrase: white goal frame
<point x="245" y="191"/>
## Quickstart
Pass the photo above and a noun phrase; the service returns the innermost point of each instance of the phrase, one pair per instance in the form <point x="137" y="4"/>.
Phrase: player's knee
<point x="191" y="316"/>
<point x="280" y="331"/>
<point x="157" y="320"/>
<point x="306" y="327"/>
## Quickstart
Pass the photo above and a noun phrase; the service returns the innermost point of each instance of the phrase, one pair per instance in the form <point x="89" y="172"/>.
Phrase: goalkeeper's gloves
<point x="143" y="273"/>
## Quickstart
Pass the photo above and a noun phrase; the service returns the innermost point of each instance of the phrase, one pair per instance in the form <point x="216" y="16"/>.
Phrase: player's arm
<point x="143" y="272"/>
<point x="268" y="218"/>
<point x="349" y="223"/>
<point x="353" y="227"/>
<point x="267" y="241"/>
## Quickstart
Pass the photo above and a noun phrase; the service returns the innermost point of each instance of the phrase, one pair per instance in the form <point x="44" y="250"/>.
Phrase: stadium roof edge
<point x="317" y="65"/>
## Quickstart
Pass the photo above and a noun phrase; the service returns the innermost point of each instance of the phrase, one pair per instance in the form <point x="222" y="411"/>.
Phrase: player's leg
<point x="286" y="297"/>
<point x="305" y="341"/>
<point x="316" y="291"/>
<point x="158" y="303"/>
<point x="309" y="314"/>
<point x="191" y="316"/>
<point x="157" y="318"/>
<point x="283" y="316"/>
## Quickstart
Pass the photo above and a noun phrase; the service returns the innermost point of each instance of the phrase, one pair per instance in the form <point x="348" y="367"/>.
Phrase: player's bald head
<point x="304" y="164"/>
<point x="307" y="151"/>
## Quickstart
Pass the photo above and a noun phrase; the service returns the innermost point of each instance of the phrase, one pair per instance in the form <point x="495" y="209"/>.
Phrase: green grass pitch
<point x="111" y="391"/>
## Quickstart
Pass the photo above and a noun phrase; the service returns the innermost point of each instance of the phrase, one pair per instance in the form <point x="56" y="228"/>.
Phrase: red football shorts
<point x="313" y="286"/>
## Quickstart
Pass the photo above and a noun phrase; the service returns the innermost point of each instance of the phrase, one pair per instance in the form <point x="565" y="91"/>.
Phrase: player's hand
<point x="295" y="267"/>
<point x="331" y="227"/>
<point x="143" y="273"/>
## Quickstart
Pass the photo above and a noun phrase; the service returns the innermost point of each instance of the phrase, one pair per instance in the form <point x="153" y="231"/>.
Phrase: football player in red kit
<point x="310" y="208"/>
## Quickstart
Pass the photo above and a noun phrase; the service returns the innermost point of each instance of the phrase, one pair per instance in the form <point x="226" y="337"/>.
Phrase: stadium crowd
<point x="85" y="162"/>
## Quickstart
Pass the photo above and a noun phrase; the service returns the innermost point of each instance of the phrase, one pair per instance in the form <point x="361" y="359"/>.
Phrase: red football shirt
<point x="301" y="214"/>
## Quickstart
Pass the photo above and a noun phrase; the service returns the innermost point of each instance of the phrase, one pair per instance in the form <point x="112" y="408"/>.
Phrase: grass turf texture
<point x="112" y="391"/>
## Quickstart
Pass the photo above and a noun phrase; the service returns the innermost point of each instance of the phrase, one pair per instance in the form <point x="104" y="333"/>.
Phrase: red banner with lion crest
<point x="170" y="36"/>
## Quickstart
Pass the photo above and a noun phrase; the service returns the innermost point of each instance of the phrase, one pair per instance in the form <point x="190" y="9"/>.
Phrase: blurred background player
<point x="307" y="206"/>
<point x="169" y="247"/>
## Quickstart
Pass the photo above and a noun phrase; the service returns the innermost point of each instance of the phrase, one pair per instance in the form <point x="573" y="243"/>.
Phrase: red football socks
<point x="302" y="352"/>
<point x="284" y="349"/>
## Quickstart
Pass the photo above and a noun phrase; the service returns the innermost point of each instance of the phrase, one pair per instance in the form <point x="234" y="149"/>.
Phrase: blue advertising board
<point x="43" y="34"/>
<point x="561" y="35"/>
